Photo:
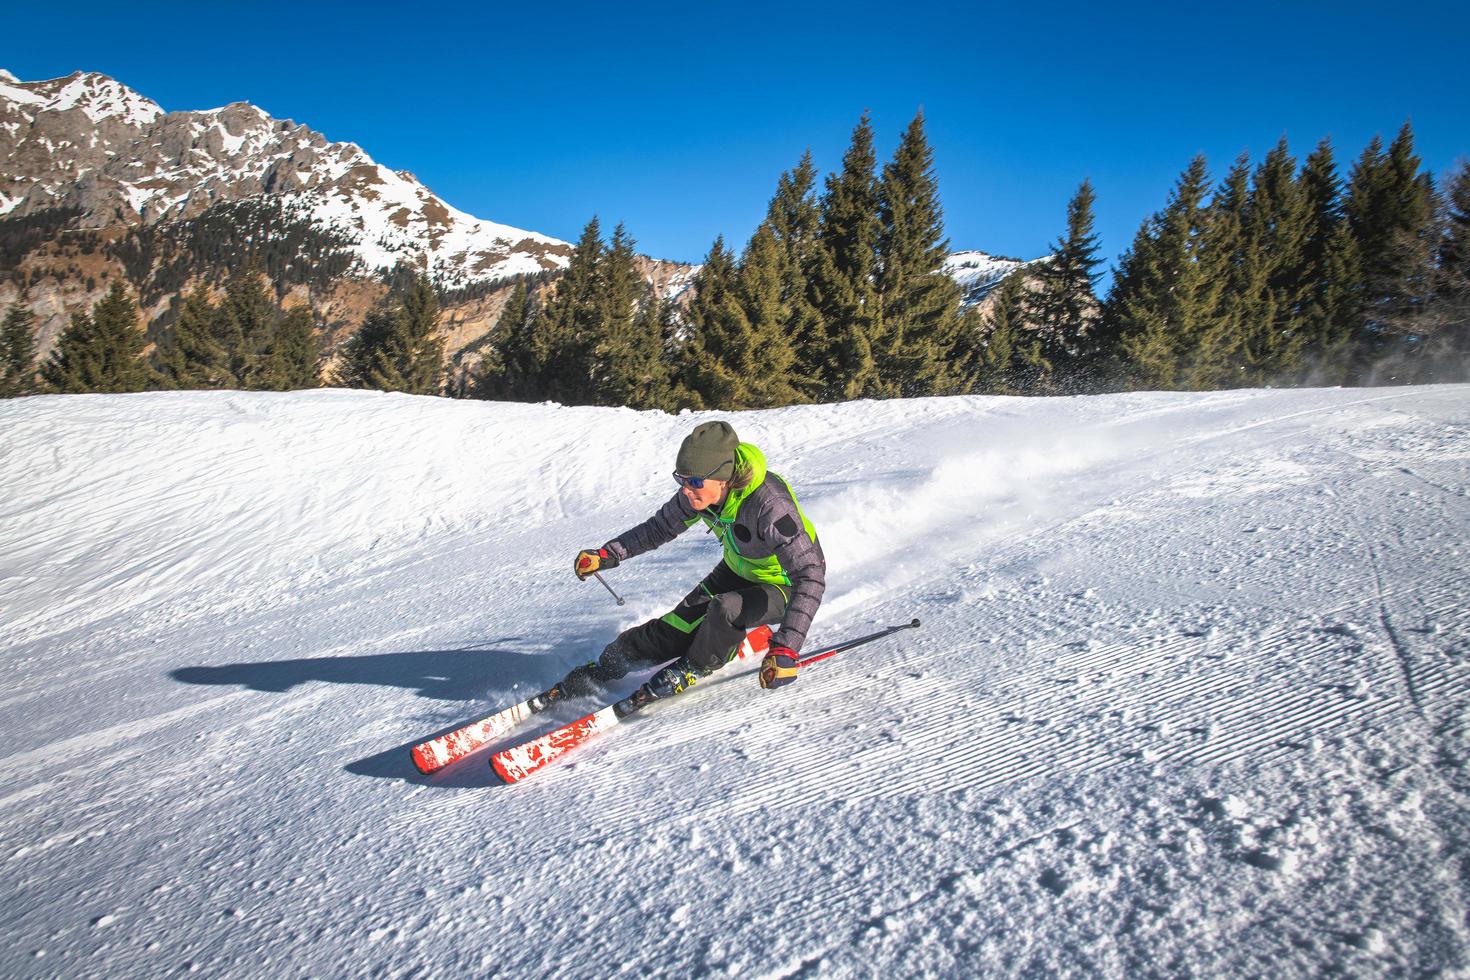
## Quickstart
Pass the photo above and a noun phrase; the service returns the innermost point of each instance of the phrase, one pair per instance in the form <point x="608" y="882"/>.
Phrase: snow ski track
<point x="1262" y="723"/>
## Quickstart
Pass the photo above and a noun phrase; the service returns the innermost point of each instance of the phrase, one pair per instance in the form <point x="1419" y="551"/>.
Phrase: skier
<point x="773" y="571"/>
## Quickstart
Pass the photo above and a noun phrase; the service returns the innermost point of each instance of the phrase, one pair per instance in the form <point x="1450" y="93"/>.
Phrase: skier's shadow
<point x="467" y="673"/>
<point x="461" y="674"/>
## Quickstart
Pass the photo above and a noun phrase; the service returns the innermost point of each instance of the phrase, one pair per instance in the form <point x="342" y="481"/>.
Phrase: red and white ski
<point x="519" y="761"/>
<point x="436" y="753"/>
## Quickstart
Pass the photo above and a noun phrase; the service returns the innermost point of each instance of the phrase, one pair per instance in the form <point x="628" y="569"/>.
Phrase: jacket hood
<point x="746" y="456"/>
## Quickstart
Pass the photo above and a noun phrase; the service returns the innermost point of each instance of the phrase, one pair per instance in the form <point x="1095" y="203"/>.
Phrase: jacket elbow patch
<point x="786" y="526"/>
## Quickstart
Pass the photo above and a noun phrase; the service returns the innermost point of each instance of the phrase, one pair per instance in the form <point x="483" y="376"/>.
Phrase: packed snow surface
<point x="1189" y="697"/>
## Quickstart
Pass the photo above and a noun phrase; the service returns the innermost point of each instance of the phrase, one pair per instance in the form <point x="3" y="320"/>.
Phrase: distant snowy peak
<point x="97" y="96"/>
<point x="90" y="143"/>
<point x="978" y="272"/>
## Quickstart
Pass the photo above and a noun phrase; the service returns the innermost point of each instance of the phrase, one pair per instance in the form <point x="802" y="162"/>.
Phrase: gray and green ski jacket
<point x="765" y="535"/>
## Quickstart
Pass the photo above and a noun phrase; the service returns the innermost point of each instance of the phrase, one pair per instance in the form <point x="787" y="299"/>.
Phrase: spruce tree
<point x="746" y="351"/>
<point x="1008" y="358"/>
<point x="570" y="326"/>
<point x="843" y="277"/>
<point x="1233" y="289"/>
<point x="506" y="366"/>
<point x="399" y="346"/>
<point x="714" y="323"/>
<point x="419" y="339"/>
<point x="244" y="324"/>
<point x="188" y="355"/>
<point x="1277" y="231"/>
<point x="361" y="352"/>
<point x="917" y="328"/>
<point x="1167" y="298"/>
<point x="651" y="327"/>
<point x="1333" y="301"/>
<point x="1389" y="208"/>
<point x="793" y="218"/>
<point x="681" y="357"/>
<point x="1447" y="321"/>
<point x="1110" y="365"/>
<point x="1063" y="309"/>
<point x="17" y="353"/>
<point x="293" y="358"/>
<point x="101" y="351"/>
<point x="628" y="369"/>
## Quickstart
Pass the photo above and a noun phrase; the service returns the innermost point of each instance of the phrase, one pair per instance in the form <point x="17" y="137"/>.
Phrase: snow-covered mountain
<point x="97" y="181"/>
<point x="978" y="273"/>
<point x="1190" y="697"/>
<point x="89" y="143"/>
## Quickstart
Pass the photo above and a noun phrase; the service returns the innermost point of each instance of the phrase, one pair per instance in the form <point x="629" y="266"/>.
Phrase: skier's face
<point x="712" y="492"/>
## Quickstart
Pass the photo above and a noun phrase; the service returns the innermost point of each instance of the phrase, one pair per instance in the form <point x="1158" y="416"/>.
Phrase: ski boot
<point x="676" y="678"/>
<point x="540" y="702"/>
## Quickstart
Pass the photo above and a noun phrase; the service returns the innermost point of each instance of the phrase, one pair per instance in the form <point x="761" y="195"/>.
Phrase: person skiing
<point x="772" y="571"/>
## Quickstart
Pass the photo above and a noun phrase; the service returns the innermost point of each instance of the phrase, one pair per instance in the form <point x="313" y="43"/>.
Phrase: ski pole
<point x="834" y="651"/>
<point x="614" y="594"/>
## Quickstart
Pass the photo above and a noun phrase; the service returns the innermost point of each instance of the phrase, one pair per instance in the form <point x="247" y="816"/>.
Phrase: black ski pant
<point x="707" y="628"/>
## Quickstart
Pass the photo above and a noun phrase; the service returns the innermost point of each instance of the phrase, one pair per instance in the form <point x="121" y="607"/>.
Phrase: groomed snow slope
<point x="1190" y="696"/>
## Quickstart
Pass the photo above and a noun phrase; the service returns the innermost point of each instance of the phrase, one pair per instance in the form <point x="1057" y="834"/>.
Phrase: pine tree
<point x="419" y="339"/>
<point x="915" y="334"/>
<point x="1277" y="232"/>
<point x="1333" y="302"/>
<point x="715" y="324"/>
<point x="1064" y="309"/>
<point x="651" y="327"/>
<point x="793" y="218"/>
<point x="293" y="358"/>
<point x="628" y="366"/>
<point x="506" y="367"/>
<point x="1008" y="357"/>
<point x="681" y="357"/>
<point x="188" y="355"/>
<point x="399" y="346"/>
<point x="1447" y="320"/>
<point x="570" y="326"/>
<point x="100" y="351"/>
<point x="843" y="278"/>
<point x="1389" y="207"/>
<point x="756" y="355"/>
<point x="361" y="352"/>
<point x="1234" y="286"/>
<point x="17" y="353"/>
<point x="1167" y="298"/>
<point x="244" y="324"/>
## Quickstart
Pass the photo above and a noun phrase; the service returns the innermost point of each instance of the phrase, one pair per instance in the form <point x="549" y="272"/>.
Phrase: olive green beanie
<point x="708" y="451"/>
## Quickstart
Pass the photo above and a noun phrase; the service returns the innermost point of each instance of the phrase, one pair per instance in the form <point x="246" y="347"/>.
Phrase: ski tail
<point x="431" y="756"/>
<point x="519" y="761"/>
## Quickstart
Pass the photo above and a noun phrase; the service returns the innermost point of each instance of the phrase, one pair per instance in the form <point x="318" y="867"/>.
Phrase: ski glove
<point x="593" y="560"/>
<point x="778" y="668"/>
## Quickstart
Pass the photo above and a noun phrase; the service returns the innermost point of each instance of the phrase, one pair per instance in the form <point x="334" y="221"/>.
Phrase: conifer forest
<point x="1276" y="272"/>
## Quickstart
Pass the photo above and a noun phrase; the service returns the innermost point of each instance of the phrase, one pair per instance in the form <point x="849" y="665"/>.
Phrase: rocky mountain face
<point x="98" y="181"/>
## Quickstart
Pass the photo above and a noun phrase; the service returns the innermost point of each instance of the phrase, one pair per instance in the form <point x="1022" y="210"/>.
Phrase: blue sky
<point x="678" y="119"/>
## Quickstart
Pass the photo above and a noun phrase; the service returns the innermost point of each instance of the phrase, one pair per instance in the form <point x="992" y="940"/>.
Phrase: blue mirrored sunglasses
<point x="695" y="482"/>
